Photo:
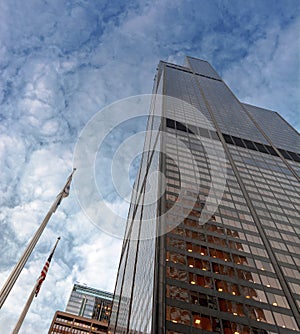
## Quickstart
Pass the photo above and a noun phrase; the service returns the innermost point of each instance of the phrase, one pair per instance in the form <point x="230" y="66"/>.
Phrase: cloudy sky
<point x="63" y="61"/>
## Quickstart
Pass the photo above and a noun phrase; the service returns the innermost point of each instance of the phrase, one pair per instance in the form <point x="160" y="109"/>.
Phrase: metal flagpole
<point x="24" y="312"/>
<point x="33" y="292"/>
<point x="8" y="285"/>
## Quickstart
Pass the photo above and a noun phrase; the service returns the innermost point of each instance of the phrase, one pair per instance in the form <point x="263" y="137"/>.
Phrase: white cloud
<point x="100" y="259"/>
<point x="60" y="63"/>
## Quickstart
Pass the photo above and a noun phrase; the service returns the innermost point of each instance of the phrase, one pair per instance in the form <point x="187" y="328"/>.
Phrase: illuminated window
<point x="231" y="307"/>
<point x="178" y="315"/>
<point x="202" y="322"/>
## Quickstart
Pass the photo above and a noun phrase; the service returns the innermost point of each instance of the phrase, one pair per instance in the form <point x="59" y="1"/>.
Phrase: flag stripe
<point x="43" y="274"/>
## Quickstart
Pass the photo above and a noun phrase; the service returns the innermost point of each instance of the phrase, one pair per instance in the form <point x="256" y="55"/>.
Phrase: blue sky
<point x="63" y="61"/>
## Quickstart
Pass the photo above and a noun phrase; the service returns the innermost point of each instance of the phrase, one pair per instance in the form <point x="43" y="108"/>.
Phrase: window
<point x="178" y="315"/>
<point x="175" y="292"/>
<point x="231" y="307"/>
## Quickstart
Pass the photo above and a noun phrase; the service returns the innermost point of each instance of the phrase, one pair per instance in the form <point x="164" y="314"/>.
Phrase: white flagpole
<point x="24" y="312"/>
<point x="29" y="300"/>
<point x="8" y="285"/>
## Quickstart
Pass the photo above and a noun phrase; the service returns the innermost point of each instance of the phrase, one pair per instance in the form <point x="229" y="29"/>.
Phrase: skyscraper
<point x="213" y="246"/>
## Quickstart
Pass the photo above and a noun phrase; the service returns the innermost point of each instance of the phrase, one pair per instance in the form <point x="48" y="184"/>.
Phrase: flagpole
<point x="29" y="300"/>
<point x="8" y="285"/>
<point x="24" y="312"/>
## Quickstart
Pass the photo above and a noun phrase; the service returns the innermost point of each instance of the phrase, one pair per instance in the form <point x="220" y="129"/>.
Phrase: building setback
<point x="226" y="256"/>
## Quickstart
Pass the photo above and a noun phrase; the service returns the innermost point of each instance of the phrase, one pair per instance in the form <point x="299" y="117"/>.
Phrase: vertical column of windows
<point x="277" y="212"/>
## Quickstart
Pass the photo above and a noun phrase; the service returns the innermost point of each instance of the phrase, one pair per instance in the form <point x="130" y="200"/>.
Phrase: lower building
<point x="89" y="302"/>
<point x="64" y="322"/>
<point x="88" y="311"/>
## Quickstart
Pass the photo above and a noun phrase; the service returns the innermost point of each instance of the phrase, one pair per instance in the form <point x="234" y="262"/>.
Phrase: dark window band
<point x="241" y="142"/>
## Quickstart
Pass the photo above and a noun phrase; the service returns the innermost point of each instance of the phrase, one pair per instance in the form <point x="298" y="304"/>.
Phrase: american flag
<point x="43" y="274"/>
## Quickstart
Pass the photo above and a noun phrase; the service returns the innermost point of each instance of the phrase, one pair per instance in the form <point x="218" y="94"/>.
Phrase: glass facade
<point x="90" y="303"/>
<point x="237" y="273"/>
